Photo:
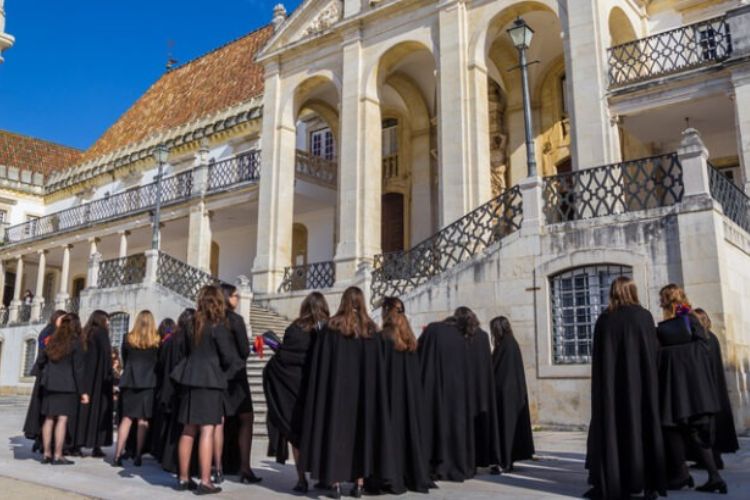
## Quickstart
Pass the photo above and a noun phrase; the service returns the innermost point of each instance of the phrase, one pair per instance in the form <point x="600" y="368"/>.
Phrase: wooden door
<point x="392" y="229"/>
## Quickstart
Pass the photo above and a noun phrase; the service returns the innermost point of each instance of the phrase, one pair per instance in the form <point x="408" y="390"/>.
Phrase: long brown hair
<point x="465" y="320"/>
<point x="703" y="317"/>
<point x="210" y="310"/>
<point x="499" y="329"/>
<point x="396" y="325"/>
<point x="61" y="342"/>
<point x="671" y="298"/>
<point x="313" y="312"/>
<point x="58" y="313"/>
<point x="144" y="334"/>
<point x="97" y="319"/>
<point x="352" y="320"/>
<point x="622" y="292"/>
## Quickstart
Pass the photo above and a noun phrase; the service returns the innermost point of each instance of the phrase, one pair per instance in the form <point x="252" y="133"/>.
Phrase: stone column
<point x="16" y="303"/>
<point x="199" y="237"/>
<point x="533" y="205"/>
<point x="93" y="246"/>
<point x="92" y="277"/>
<point x="244" y="309"/>
<point x="123" y="243"/>
<point x="276" y="191"/>
<point x="360" y="172"/>
<point x="741" y="84"/>
<point x="693" y="157"/>
<point x="152" y="266"/>
<point x="62" y="296"/>
<point x="38" y="304"/>
<point x="200" y="170"/>
<point x="594" y="139"/>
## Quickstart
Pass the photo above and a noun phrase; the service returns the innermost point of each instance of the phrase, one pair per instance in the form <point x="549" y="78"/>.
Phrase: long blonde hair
<point x="673" y="300"/>
<point x="144" y="334"/>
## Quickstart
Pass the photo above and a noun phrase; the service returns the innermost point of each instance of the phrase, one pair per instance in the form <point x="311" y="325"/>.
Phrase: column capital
<point x="42" y="252"/>
<point x="94" y="239"/>
<point x="124" y="232"/>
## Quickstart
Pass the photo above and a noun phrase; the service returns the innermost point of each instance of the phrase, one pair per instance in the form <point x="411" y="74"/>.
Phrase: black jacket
<point x="237" y="328"/>
<point x="63" y="375"/>
<point x="139" y="366"/>
<point x="211" y="363"/>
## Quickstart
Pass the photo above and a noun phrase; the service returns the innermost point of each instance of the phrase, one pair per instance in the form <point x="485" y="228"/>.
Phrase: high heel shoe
<point x="188" y="485"/>
<point x="335" y="491"/>
<point x="217" y="477"/>
<point x="688" y="481"/>
<point x="247" y="478"/>
<point x="138" y="461"/>
<point x="301" y="487"/>
<point x="357" y="491"/>
<point x="715" y="486"/>
<point x="117" y="462"/>
<point x="207" y="489"/>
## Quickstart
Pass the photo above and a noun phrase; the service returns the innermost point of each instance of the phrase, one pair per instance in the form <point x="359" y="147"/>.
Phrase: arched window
<point x="29" y="356"/>
<point x="577" y="297"/>
<point x="119" y="325"/>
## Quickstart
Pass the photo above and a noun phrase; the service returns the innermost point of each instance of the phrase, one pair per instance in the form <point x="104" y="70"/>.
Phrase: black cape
<point x="94" y="426"/>
<point x="514" y="419"/>
<point x="460" y="432"/>
<point x="346" y="422"/>
<point x="284" y="384"/>
<point x="32" y="427"/>
<point x="165" y="429"/>
<point x="625" y="449"/>
<point x="724" y="434"/>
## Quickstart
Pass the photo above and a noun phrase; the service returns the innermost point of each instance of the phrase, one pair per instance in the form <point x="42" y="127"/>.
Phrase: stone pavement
<point x="557" y="473"/>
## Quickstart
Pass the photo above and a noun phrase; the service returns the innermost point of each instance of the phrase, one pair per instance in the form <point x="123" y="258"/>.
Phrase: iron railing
<point x="182" y="278"/>
<point x="128" y="270"/>
<point x="313" y="276"/>
<point x="315" y="168"/>
<point x="73" y="305"/>
<point x="4" y="315"/>
<point x="612" y="189"/>
<point x="173" y="189"/>
<point x="673" y="51"/>
<point x="24" y="313"/>
<point x="232" y="171"/>
<point x="734" y="202"/>
<point x="398" y="272"/>
<point x="47" y="309"/>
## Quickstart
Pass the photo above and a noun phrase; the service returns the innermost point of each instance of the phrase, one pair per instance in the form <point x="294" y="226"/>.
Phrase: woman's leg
<point x="245" y="441"/>
<point x="185" y="450"/>
<point x="300" y="473"/>
<point x="218" y="444"/>
<point x="122" y="435"/>
<point x="47" y="427"/>
<point x="206" y="449"/>
<point x="706" y="454"/>
<point x="61" y="427"/>
<point x="141" y="436"/>
<point x="677" y="471"/>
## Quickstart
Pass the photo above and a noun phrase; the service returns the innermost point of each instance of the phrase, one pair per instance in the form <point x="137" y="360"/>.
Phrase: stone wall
<point x="12" y="355"/>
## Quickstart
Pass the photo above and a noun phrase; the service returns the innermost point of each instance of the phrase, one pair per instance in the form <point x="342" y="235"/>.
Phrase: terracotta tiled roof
<point x="222" y="78"/>
<point x="37" y="155"/>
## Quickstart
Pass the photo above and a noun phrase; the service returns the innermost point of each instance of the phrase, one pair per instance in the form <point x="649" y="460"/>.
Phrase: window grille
<point x="29" y="357"/>
<point x="321" y="144"/>
<point x="578" y="296"/>
<point x="119" y="325"/>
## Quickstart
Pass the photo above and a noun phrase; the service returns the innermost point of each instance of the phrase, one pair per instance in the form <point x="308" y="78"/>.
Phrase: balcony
<point x="675" y="51"/>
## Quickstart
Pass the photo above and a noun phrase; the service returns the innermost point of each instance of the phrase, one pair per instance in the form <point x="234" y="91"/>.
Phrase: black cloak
<point x="625" y="449"/>
<point x="94" y="426"/>
<point x="284" y="384"/>
<point x="723" y="432"/>
<point x="460" y="431"/>
<point x="346" y="423"/>
<point x="514" y="419"/>
<point x="32" y="427"/>
<point x="165" y="429"/>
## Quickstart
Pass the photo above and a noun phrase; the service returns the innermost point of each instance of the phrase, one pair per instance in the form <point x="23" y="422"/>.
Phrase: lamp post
<point x="521" y="34"/>
<point x="161" y="154"/>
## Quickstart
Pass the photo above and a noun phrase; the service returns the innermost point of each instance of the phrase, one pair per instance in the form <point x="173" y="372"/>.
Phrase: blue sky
<point x="79" y="64"/>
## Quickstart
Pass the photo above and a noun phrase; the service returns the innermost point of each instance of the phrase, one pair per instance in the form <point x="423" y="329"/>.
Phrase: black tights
<point x="675" y="439"/>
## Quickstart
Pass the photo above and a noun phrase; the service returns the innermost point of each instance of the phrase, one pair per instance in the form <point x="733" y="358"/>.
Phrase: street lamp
<point x="161" y="154"/>
<point x="521" y="35"/>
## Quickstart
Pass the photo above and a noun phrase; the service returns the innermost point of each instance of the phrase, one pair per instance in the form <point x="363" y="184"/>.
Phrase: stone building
<point x="382" y="144"/>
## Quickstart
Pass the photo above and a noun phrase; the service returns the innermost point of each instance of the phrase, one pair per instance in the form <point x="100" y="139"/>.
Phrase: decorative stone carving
<point x="326" y="18"/>
<point x="498" y="138"/>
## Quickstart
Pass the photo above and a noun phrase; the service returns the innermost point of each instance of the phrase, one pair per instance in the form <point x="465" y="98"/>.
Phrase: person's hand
<point x="84" y="399"/>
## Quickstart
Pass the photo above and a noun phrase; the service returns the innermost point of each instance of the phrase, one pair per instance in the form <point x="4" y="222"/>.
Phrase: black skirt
<point x="56" y="404"/>
<point x="199" y="406"/>
<point x="137" y="403"/>
<point x="237" y="398"/>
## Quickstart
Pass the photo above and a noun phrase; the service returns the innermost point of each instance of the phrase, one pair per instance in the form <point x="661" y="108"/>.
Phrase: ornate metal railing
<point x="181" y="277"/>
<point x="390" y="167"/>
<point x="398" y="272"/>
<point x="315" y="168"/>
<point x="237" y="170"/>
<point x="24" y="313"/>
<point x="73" y="305"/>
<point x="174" y="189"/>
<point x="673" y="51"/>
<point x="612" y="189"/>
<point x="47" y="309"/>
<point x="4" y="315"/>
<point x="125" y="271"/>
<point x="313" y="276"/>
<point x="734" y="202"/>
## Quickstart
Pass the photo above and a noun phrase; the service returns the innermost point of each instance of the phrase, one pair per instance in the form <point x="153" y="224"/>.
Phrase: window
<point x="390" y="137"/>
<point x="708" y="42"/>
<point x="119" y="325"/>
<point x="29" y="357"/>
<point x="3" y="216"/>
<point x="321" y="144"/>
<point x="578" y="296"/>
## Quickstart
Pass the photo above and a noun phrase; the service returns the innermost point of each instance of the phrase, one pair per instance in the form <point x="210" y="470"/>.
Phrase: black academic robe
<point x="237" y="397"/>
<point x="32" y="427"/>
<point x="346" y="423"/>
<point x="514" y="420"/>
<point x="461" y="430"/>
<point x="724" y="434"/>
<point x="284" y="384"/>
<point x="94" y="426"/>
<point x="625" y="449"/>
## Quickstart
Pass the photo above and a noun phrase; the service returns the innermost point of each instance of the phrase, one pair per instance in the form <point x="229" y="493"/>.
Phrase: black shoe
<point x="301" y="487"/>
<point x="247" y="478"/>
<point x="62" y="461"/>
<point x="205" y="489"/>
<point x="46" y="460"/>
<point x="495" y="470"/>
<point x="357" y="491"/>
<point x="676" y="486"/>
<point x="97" y="453"/>
<point x="715" y="486"/>
<point x="188" y="485"/>
<point x="138" y="461"/>
<point x="217" y="477"/>
<point x="117" y="462"/>
<point x="592" y="494"/>
<point x="508" y="469"/>
<point x="335" y="491"/>
<point x="320" y="485"/>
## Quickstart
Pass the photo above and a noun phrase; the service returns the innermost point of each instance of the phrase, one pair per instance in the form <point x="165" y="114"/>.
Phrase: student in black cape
<point x="234" y="439"/>
<point x="32" y="427"/>
<point x="211" y="360"/>
<point x="625" y="459"/>
<point x="94" y="425"/>
<point x="460" y="431"/>
<point x="687" y="391"/>
<point x="164" y="388"/>
<point x="140" y="349"/>
<point x="62" y="368"/>
<point x="406" y="402"/>
<point x="514" y="419"/>
<point x="346" y="423"/>
<point x="723" y="433"/>
<point x="285" y="382"/>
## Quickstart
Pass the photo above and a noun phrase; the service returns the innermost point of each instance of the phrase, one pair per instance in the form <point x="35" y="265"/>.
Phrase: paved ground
<point x="557" y="473"/>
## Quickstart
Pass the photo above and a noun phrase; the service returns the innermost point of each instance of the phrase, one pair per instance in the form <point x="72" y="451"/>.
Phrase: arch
<point x="388" y="57"/>
<point x="620" y="28"/>
<point x="301" y="89"/>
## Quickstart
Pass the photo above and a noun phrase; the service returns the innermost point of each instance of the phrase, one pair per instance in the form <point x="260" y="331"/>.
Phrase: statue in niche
<point x="498" y="138"/>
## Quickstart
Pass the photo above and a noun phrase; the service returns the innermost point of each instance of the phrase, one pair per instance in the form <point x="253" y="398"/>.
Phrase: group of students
<point x="658" y="398"/>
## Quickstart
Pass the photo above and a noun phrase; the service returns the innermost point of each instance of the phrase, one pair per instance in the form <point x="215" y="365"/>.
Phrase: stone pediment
<point x="311" y="18"/>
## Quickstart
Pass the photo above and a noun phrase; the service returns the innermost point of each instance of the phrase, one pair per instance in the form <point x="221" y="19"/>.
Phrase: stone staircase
<point x="261" y="320"/>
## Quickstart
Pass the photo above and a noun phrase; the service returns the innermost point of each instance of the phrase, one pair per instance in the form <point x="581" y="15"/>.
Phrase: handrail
<point x="315" y="168"/>
<point x="239" y="169"/>
<point x="181" y="277"/>
<point x="734" y="202"/>
<point x="312" y="276"/>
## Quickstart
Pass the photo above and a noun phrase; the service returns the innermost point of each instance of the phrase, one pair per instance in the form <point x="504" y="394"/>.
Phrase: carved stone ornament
<point x="326" y="18"/>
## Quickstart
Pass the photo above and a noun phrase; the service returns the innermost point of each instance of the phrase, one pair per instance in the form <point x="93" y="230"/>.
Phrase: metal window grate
<point x="125" y="271"/>
<point x="29" y="357"/>
<point x="313" y="276"/>
<point x="119" y="325"/>
<point x="577" y="297"/>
